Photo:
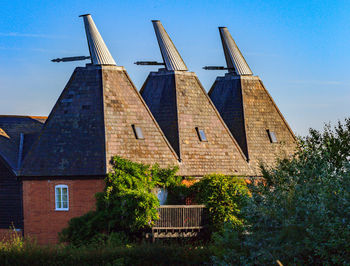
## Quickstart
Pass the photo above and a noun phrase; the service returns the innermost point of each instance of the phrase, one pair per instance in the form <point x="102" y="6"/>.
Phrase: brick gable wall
<point x="41" y="221"/>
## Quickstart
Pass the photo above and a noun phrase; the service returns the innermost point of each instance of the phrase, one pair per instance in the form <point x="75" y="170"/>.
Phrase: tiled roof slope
<point x="162" y="101"/>
<point x="72" y="140"/>
<point x="180" y="104"/>
<point x="11" y="128"/>
<point x="124" y="107"/>
<point x="91" y="122"/>
<point x="249" y="111"/>
<point x="229" y="103"/>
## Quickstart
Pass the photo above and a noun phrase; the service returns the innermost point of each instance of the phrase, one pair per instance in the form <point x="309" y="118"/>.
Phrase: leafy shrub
<point x="224" y="196"/>
<point x="13" y="241"/>
<point x="300" y="213"/>
<point x="166" y="178"/>
<point x="126" y="204"/>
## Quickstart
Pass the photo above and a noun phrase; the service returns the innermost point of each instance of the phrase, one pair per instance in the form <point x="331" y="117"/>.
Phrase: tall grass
<point x="18" y="251"/>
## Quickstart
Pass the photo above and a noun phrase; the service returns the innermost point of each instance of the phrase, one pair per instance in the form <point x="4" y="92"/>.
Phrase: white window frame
<point x="60" y="200"/>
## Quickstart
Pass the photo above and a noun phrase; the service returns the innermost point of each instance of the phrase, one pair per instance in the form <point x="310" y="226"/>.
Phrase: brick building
<point x="51" y="168"/>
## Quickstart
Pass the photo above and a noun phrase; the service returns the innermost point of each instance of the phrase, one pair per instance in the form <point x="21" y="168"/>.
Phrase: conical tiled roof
<point x="96" y="117"/>
<point x="192" y="124"/>
<point x="234" y="58"/>
<point x="251" y="114"/>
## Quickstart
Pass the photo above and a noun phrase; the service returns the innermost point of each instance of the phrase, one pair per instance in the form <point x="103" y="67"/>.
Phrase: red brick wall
<point x="41" y="221"/>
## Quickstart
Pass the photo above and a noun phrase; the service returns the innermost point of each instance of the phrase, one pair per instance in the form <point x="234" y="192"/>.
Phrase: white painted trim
<point x="60" y="187"/>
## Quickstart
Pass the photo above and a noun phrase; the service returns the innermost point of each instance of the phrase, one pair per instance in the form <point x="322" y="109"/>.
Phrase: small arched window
<point x="61" y="198"/>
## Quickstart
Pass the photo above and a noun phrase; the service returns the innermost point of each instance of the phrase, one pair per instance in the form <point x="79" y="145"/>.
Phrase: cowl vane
<point x="99" y="52"/>
<point x="234" y="58"/>
<point x="171" y="57"/>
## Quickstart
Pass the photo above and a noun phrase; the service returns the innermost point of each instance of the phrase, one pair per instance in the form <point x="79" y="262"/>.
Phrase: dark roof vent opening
<point x="272" y="136"/>
<point x="138" y="132"/>
<point x="201" y="134"/>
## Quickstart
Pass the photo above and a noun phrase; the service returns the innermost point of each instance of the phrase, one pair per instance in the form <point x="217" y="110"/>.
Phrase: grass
<point x="24" y="252"/>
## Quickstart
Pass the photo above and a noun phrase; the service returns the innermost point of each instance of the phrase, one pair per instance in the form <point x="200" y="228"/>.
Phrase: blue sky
<point x="300" y="49"/>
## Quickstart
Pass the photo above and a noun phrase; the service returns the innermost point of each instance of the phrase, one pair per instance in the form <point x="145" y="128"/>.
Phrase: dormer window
<point x="272" y="136"/>
<point x="138" y="132"/>
<point x="201" y="134"/>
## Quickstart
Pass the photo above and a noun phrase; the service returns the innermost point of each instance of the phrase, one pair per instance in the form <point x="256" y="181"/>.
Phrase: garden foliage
<point x="300" y="212"/>
<point x="224" y="196"/>
<point x="28" y="253"/>
<point x="127" y="204"/>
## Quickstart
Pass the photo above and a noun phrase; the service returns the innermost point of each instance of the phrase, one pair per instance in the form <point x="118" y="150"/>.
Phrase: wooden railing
<point x="181" y="217"/>
<point x="179" y="221"/>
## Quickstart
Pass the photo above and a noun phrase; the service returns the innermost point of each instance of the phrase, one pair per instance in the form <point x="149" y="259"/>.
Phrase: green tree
<point x="300" y="212"/>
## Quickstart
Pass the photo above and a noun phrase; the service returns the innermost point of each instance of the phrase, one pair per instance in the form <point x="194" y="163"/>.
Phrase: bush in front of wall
<point x="126" y="204"/>
<point x="224" y="196"/>
<point x="128" y="207"/>
<point x="167" y="178"/>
